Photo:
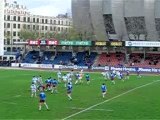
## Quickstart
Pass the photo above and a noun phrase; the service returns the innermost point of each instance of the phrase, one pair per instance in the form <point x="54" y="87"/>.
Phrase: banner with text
<point x="75" y="43"/>
<point x="142" y="43"/>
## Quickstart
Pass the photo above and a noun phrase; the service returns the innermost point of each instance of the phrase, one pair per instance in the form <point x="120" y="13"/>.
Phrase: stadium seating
<point x="31" y="57"/>
<point x="111" y="59"/>
<point x="62" y="58"/>
<point x="48" y="57"/>
<point x="84" y="59"/>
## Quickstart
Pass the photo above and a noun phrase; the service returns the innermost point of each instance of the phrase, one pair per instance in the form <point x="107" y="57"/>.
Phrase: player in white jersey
<point x="64" y="78"/>
<point x="33" y="90"/>
<point x="59" y="76"/>
<point x="39" y="80"/>
<point x="34" y="80"/>
<point x="103" y="74"/>
<point x="69" y="77"/>
<point x="118" y="74"/>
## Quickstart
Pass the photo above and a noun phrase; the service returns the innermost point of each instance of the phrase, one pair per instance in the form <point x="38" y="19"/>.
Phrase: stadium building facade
<point x="1" y="27"/>
<point x="17" y="17"/>
<point x="118" y="19"/>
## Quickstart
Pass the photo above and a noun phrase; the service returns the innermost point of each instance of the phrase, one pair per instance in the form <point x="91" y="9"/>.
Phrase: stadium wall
<point x="118" y="11"/>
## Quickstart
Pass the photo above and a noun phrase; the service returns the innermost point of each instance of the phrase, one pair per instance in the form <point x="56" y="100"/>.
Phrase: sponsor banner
<point x="27" y="65"/>
<point x="74" y="67"/>
<point x="142" y="44"/>
<point x="75" y="43"/>
<point x="50" y="66"/>
<point x="98" y="68"/>
<point x="33" y="42"/>
<point x="52" y="42"/>
<point x="43" y="42"/>
<point x="116" y="44"/>
<point x="100" y="43"/>
<point x="134" y="69"/>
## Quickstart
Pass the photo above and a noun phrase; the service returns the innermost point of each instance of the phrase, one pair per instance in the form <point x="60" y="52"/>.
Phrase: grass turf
<point x="16" y="103"/>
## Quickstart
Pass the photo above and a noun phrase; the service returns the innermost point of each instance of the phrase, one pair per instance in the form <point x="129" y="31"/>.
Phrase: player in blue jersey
<point x="103" y="89"/>
<point x="42" y="100"/>
<point x="87" y="78"/>
<point x="69" y="90"/>
<point x="48" y="84"/>
<point x="127" y="74"/>
<point x="138" y="72"/>
<point x="77" y="75"/>
<point x="121" y="76"/>
<point x="112" y="76"/>
<point x="54" y="84"/>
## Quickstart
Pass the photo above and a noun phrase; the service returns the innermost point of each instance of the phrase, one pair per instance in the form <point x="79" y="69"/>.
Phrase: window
<point x="42" y="27"/>
<point x="8" y="25"/>
<point x="18" y="34"/>
<point x="58" y="28"/>
<point x="4" y="17"/>
<point x="5" y="41"/>
<point x="14" y="33"/>
<point x="8" y="33"/>
<point x="50" y="21"/>
<point x="51" y="28"/>
<point x="14" y="25"/>
<point x="58" y="22"/>
<point x="42" y="20"/>
<point x="28" y="19"/>
<point x="8" y="49"/>
<point x="62" y="29"/>
<point x="34" y="27"/>
<point x="33" y="19"/>
<point x="61" y="22"/>
<point x="14" y="49"/>
<point x="19" y="26"/>
<point x="24" y="19"/>
<point x="8" y="17"/>
<point x="14" y="40"/>
<point x="4" y="25"/>
<point x="46" y="21"/>
<point x="37" y="20"/>
<point x="14" y="18"/>
<point x="8" y="42"/>
<point x="24" y="26"/>
<point x="46" y="27"/>
<point x="66" y="22"/>
<point x="54" y="28"/>
<point x="37" y="27"/>
<point x="29" y="27"/>
<point x="19" y="18"/>
<point x="54" y="21"/>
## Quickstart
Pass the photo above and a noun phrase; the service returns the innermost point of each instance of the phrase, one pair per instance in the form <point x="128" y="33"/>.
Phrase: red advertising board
<point x="33" y="42"/>
<point x="52" y="42"/>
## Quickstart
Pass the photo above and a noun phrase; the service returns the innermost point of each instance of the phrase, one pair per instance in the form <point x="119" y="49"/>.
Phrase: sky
<point x="47" y="7"/>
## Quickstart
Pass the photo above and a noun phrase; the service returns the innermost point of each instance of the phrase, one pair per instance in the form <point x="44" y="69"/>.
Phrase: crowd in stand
<point x="134" y="59"/>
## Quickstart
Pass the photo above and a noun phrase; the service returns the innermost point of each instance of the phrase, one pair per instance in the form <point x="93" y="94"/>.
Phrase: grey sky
<point x="47" y="7"/>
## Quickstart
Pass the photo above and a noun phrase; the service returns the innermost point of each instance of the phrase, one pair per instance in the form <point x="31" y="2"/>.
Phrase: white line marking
<point x="76" y="108"/>
<point x="16" y="96"/>
<point x="12" y="103"/>
<point x="109" y="99"/>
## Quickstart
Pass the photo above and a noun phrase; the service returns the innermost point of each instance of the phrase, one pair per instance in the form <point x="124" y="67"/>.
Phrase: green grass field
<point x="132" y="99"/>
